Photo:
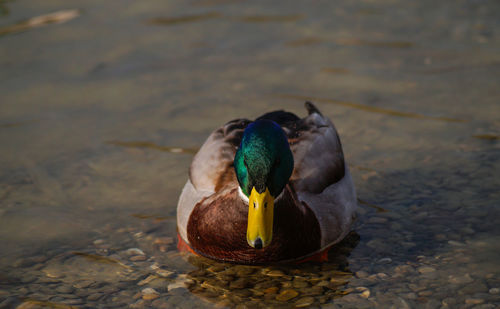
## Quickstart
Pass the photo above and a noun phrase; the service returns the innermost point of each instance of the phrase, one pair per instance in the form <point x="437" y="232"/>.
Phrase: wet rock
<point x="365" y="294"/>
<point x="161" y="303"/>
<point x="410" y="295"/>
<point x="474" y="301"/>
<point x="22" y="263"/>
<point x="304" y="302"/>
<point x="385" y="260"/>
<point x="382" y="276"/>
<point x="147" y="280"/>
<point x="164" y="273"/>
<point x="286" y="295"/>
<point x="362" y="274"/>
<point x="134" y="251"/>
<point x="449" y="301"/>
<point x="83" y="284"/>
<point x="475" y="287"/>
<point x="149" y="294"/>
<point x="494" y="291"/>
<point x="47" y="280"/>
<point x="163" y="241"/>
<point x="10" y="302"/>
<point x="299" y="284"/>
<point x="140" y="304"/>
<point x="240" y="283"/>
<point x="244" y="271"/>
<point x="95" y="296"/>
<point x="271" y="290"/>
<point x="138" y="258"/>
<point x="73" y="301"/>
<point x="456" y="243"/>
<point x="275" y="273"/>
<point x="425" y="293"/>
<point x="460" y="279"/>
<point x="22" y="291"/>
<point x="426" y="269"/>
<point x="28" y="278"/>
<point x="68" y="296"/>
<point x="65" y="289"/>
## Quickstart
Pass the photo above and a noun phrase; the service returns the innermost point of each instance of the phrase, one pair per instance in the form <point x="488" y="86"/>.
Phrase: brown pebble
<point x="94" y="297"/>
<point x="240" y="283"/>
<point x="137" y="258"/>
<point x="163" y="240"/>
<point x="287" y="295"/>
<point x="304" y="302"/>
<point x="425" y="293"/>
<point x="426" y="269"/>
<point x="275" y="273"/>
<point x="147" y="280"/>
<point x="299" y="284"/>
<point x="271" y="290"/>
<point x="365" y="294"/>
<point x="474" y="301"/>
<point x="150" y="296"/>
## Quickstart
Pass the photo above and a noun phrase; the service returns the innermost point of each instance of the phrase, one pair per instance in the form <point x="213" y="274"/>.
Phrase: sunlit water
<point x="103" y="104"/>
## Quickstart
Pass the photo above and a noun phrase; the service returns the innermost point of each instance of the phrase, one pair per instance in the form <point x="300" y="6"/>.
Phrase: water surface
<point x="102" y="106"/>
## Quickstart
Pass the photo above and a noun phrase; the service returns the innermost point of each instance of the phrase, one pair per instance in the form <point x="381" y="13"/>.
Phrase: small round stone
<point x="286" y="295"/>
<point x="150" y="296"/>
<point x="426" y="269"/>
<point x="138" y="258"/>
<point x="494" y="291"/>
<point x="385" y="260"/>
<point x="271" y="290"/>
<point x="474" y="301"/>
<point x="365" y="294"/>
<point x="135" y="251"/>
<point x="275" y="273"/>
<point x="304" y="302"/>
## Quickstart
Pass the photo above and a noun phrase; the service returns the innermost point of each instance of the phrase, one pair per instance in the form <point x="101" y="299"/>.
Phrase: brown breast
<point x="217" y="229"/>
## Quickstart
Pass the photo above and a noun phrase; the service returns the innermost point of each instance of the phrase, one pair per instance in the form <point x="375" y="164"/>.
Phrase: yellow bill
<point x="260" y="219"/>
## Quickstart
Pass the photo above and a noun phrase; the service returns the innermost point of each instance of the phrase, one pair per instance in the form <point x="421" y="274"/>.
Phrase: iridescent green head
<point x="263" y="165"/>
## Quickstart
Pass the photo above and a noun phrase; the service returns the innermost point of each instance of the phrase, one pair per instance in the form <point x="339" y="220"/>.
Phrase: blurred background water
<point x="104" y="103"/>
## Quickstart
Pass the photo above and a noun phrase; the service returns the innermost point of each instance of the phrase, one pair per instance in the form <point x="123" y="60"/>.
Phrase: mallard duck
<point x="270" y="190"/>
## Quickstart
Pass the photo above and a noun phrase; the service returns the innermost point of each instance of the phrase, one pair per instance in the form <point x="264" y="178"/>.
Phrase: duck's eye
<point x="265" y="205"/>
<point x="254" y="206"/>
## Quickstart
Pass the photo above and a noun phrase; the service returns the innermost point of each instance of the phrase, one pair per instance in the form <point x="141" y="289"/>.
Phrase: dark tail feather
<point x="311" y="108"/>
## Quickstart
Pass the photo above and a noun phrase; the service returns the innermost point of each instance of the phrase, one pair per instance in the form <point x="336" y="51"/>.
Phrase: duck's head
<point x="263" y="164"/>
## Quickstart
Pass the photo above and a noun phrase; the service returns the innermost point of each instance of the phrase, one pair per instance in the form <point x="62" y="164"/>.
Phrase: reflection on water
<point x="168" y="21"/>
<point x="101" y="114"/>
<point x="270" y="18"/>
<point x="39" y="21"/>
<point x="184" y="19"/>
<point x="373" y="109"/>
<point x="359" y="42"/>
<point x="303" y="42"/>
<point x="149" y="145"/>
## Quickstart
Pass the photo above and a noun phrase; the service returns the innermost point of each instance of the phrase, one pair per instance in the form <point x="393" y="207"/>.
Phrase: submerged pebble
<point x="426" y="269"/>
<point x="286" y="295"/>
<point x="304" y="302"/>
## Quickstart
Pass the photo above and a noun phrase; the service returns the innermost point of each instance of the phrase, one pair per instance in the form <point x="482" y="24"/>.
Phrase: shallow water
<point x="103" y="105"/>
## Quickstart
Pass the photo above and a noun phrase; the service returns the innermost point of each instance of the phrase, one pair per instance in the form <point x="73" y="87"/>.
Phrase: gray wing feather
<point x="216" y="155"/>
<point x="319" y="160"/>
